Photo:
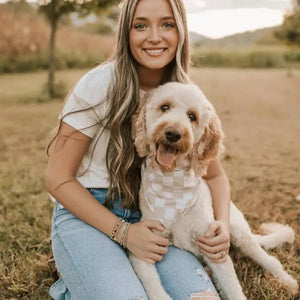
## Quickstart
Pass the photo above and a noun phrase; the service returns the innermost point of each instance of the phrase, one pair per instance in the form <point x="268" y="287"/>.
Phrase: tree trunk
<point x="51" y="75"/>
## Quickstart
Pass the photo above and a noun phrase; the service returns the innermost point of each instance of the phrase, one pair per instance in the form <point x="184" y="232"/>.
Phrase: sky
<point x="219" y="18"/>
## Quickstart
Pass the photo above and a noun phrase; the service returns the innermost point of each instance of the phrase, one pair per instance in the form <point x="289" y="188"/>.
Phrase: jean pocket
<point x="61" y="215"/>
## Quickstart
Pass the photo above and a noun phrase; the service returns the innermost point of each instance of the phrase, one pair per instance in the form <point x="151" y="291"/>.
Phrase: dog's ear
<point x="138" y="127"/>
<point x="209" y="147"/>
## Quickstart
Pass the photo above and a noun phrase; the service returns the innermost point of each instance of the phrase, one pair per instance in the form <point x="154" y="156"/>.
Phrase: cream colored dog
<point x="178" y="132"/>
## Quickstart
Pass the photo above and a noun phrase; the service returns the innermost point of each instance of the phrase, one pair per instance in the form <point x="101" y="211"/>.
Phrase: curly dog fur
<point x="176" y="127"/>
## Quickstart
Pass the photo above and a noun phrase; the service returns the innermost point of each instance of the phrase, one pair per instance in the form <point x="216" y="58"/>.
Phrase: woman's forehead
<point x="150" y="8"/>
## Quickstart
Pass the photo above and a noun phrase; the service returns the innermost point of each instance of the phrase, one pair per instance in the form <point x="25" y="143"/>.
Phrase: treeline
<point x="40" y="61"/>
<point x="255" y="57"/>
<point x="243" y="58"/>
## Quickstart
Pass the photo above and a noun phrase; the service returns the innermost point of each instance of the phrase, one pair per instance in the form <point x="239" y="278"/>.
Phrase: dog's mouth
<point x="166" y="155"/>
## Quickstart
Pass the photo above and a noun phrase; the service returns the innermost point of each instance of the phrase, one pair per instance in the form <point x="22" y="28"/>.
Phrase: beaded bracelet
<point x="123" y="240"/>
<point x="116" y="229"/>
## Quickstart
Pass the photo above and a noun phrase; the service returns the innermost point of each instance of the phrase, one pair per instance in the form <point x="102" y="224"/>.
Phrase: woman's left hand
<point x="216" y="242"/>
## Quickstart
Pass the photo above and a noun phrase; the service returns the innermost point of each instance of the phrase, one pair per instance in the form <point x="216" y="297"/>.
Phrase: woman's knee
<point x="88" y="260"/>
<point x="183" y="276"/>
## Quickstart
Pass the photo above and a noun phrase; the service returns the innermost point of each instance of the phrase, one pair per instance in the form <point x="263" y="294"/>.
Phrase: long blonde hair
<point x="122" y="160"/>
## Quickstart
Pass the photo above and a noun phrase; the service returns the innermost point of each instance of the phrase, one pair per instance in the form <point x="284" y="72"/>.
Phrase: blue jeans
<point x="93" y="267"/>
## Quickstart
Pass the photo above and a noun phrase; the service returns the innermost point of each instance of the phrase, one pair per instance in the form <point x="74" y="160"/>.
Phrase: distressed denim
<point x="93" y="267"/>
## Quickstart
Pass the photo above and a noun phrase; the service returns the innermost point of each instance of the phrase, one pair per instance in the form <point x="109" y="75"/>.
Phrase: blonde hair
<point x="122" y="160"/>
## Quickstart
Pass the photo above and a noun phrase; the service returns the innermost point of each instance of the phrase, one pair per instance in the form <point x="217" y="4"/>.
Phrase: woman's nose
<point x="154" y="36"/>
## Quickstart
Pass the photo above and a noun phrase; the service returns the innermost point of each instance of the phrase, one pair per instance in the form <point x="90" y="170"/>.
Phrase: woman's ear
<point x="209" y="147"/>
<point x="138" y="128"/>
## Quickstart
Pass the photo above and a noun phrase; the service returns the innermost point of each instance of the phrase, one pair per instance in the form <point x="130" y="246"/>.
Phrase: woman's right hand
<point x="144" y="243"/>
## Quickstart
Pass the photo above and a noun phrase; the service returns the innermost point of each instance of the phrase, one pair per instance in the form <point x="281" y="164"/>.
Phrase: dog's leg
<point x="224" y="274"/>
<point x="149" y="277"/>
<point x="226" y="279"/>
<point x="194" y="223"/>
<point x="274" y="235"/>
<point x="242" y="237"/>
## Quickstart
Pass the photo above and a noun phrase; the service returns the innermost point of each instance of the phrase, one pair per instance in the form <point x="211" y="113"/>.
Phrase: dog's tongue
<point x="165" y="156"/>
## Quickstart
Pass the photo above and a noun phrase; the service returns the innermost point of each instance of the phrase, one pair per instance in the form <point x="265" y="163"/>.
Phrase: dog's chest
<point x="169" y="194"/>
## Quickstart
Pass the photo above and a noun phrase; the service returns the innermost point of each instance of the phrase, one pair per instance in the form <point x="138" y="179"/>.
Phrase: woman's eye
<point x="192" y="117"/>
<point x="164" y="107"/>
<point x="140" y="26"/>
<point x="168" y="25"/>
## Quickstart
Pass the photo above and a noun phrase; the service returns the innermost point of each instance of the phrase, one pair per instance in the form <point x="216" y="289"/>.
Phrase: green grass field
<point x="260" y="112"/>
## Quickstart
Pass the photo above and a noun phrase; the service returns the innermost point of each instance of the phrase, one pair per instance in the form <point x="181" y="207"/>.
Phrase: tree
<point x="54" y="10"/>
<point x="290" y="29"/>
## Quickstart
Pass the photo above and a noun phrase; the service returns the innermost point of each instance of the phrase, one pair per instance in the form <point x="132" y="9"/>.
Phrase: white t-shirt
<point x="90" y="91"/>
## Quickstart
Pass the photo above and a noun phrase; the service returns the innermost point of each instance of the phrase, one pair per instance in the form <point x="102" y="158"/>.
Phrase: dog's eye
<point x="192" y="117"/>
<point x="164" y="107"/>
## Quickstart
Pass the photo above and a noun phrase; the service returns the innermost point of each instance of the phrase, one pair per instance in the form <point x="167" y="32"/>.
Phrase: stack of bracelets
<point x="123" y="236"/>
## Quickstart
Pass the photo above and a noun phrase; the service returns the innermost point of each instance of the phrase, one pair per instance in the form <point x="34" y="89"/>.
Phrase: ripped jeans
<point x="93" y="267"/>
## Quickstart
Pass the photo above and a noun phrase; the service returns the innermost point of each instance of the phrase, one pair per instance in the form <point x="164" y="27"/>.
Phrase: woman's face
<point x="153" y="35"/>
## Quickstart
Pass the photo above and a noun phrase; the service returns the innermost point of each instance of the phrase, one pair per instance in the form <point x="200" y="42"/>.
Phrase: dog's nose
<point x="172" y="135"/>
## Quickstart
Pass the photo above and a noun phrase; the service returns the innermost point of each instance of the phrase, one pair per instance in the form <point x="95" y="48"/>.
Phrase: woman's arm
<point x="61" y="182"/>
<point x="218" y="183"/>
<point x="65" y="159"/>
<point x="217" y="236"/>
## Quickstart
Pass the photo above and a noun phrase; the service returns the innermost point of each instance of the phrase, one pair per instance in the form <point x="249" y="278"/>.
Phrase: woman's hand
<point x="144" y="243"/>
<point x="216" y="242"/>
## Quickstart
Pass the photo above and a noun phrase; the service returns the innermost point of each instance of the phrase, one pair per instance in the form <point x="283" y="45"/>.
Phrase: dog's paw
<point x="293" y="287"/>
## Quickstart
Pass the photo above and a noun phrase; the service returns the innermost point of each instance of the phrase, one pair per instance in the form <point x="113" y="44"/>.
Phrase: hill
<point x="245" y="39"/>
<point x="197" y="38"/>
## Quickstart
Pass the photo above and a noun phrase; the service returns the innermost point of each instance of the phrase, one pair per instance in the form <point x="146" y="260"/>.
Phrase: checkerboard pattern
<point x="169" y="194"/>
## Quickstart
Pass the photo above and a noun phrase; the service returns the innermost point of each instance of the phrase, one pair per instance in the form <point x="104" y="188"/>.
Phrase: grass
<point x="260" y="112"/>
<point x="25" y="211"/>
<point x="25" y="88"/>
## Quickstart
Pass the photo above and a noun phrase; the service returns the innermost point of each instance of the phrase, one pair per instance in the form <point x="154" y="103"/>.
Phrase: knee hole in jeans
<point x="207" y="295"/>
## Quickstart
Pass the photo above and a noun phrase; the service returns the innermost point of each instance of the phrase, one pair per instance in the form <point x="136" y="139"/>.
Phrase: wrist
<point x="120" y="232"/>
<point x="225" y="222"/>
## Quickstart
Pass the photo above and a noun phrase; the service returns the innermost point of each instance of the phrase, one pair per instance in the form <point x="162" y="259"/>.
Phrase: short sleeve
<point x="86" y="105"/>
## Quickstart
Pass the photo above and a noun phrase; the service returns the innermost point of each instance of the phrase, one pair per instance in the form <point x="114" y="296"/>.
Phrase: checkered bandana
<point x="169" y="194"/>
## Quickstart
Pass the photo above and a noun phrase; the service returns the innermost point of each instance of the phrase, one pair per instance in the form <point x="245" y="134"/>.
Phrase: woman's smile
<point x="155" y="52"/>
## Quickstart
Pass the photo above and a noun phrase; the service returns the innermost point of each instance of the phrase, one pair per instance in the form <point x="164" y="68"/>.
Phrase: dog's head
<point x="175" y="122"/>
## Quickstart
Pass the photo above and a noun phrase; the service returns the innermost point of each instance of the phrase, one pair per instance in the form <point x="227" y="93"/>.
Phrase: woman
<point x="94" y="170"/>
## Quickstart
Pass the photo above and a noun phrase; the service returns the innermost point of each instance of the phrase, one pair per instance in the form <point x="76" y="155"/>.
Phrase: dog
<point x="178" y="132"/>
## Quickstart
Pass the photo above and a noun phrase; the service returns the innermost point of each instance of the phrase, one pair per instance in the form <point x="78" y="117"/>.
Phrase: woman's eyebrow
<point x="145" y="19"/>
